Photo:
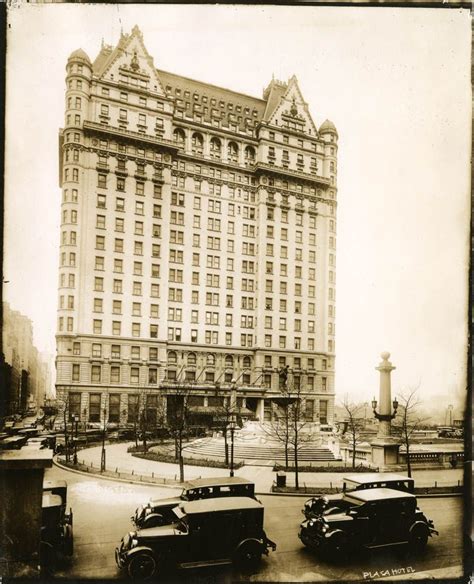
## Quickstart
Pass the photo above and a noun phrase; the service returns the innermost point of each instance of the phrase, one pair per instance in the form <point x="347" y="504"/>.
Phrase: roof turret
<point x="79" y="54"/>
<point x="326" y="127"/>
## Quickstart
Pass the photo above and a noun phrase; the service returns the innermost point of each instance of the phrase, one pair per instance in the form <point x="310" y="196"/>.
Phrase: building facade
<point x="25" y="373"/>
<point x="198" y="242"/>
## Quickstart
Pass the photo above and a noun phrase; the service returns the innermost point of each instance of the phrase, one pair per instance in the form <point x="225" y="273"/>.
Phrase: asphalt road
<point x="102" y="511"/>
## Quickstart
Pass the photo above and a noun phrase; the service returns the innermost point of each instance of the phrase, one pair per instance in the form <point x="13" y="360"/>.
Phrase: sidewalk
<point x="118" y="458"/>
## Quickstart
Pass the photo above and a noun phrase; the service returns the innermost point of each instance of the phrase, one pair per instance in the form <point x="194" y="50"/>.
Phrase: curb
<point x="178" y="485"/>
<point x="116" y="479"/>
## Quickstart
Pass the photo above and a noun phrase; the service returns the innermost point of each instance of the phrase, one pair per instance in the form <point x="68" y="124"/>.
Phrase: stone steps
<point x="215" y="449"/>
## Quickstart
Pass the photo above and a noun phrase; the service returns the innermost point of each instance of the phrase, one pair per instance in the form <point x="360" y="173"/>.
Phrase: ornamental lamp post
<point x="102" y="455"/>
<point x="76" y="422"/>
<point x="385" y="447"/>
<point x="232" y="423"/>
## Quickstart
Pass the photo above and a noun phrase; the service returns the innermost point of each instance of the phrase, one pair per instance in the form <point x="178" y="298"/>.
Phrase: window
<point x="98" y="284"/>
<point x="100" y="242"/>
<point x="154" y="310"/>
<point x="135" y="352"/>
<point x="119" y="224"/>
<point x="75" y="372"/>
<point x="115" y="352"/>
<point x="136" y="309"/>
<point x="137" y="268"/>
<point x="94" y="407"/>
<point x="95" y="373"/>
<point x="98" y="304"/>
<point x="116" y="327"/>
<point x="117" y="286"/>
<point x="134" y="375"/>
<point x="135" y="329"/>
<point x="114" y="375"/>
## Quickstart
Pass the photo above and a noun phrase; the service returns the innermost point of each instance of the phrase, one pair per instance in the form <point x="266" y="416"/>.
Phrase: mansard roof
<point x="229" y="106"/>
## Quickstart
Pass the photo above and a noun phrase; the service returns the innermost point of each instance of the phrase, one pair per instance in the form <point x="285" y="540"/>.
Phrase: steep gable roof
<point x="129" y="56"/>
<point x="291" y="105"/>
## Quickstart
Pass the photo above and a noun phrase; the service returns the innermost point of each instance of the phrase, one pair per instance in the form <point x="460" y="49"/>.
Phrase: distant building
<point x="198" y="242"/>
<point x="25" y="376"/>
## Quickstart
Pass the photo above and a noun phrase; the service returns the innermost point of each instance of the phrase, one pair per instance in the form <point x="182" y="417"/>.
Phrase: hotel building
<point x="198" y="242"/>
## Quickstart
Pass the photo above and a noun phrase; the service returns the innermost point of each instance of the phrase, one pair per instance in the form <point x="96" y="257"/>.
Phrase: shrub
<point x="328" y="468"/>
<point x="164" y="457"/>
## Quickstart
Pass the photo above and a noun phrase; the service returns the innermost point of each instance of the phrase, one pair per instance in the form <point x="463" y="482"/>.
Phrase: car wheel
<point x="47" y="558"/>
<point x="68" y="541"/>
<point x="154" y="520"/>
<point x="418" y="537"/>
<point x="338" y="546"/>
<point x="141" y="566"/>
<point x="249" y="555"/>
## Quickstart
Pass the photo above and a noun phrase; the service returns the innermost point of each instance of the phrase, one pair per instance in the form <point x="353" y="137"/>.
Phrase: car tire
<point x="337" y="546"/>
<point x="419" y="534"/>
<point x="153" y="520"/>
<point x="249" y="555"/>
<point x="141" y="566"/>
<point x="47" y="558"/>
<point x="68" y="541"/>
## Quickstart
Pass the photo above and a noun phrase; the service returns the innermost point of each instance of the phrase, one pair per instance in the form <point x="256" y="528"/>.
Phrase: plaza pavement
<point x="117" y="458"/>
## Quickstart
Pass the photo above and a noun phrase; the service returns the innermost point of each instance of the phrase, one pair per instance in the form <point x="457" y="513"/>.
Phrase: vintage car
<point x="205" y="532"/>
<point x="355" y="482"/>
<point x="160" y="511"/>
<point x="371" y="518"/>
<point x="56" y="525"/>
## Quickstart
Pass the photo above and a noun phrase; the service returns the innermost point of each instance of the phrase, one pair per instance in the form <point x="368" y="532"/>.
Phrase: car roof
<point x="375" y="477"/>
<point x="216" y="481"/>
<point x="53" y="484"/>
<point x="221" y="504"/>
<point x="376" y="494"/>
<point x="50" y="500"/>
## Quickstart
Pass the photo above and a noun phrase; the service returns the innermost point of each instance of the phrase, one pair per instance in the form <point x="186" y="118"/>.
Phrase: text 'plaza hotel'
<point x="198" y="242"/>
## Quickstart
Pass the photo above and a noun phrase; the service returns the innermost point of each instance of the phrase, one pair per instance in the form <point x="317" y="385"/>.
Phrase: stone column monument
<point x="384" y="447"/>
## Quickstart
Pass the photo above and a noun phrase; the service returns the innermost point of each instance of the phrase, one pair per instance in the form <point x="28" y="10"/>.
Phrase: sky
<point x="396" y="83"/>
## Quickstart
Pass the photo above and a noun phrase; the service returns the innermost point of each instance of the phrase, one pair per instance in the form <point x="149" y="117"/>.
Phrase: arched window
<point x="215" y="148"/>
<point x="197" y="143"/>
<point x="232" y="152"/>
<point x="229" y="361"/>
<point x="246" y="362"/>
<point x="249" y="155"/>
<point x="179" y="136"/>
<point x="172" y="358"/>
<point x="192" y="359"/>
<point x="211" y="360"/>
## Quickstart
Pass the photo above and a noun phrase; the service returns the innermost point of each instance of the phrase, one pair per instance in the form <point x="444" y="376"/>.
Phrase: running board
<point x="187" y="565"/>
<point x="386" y="544"/>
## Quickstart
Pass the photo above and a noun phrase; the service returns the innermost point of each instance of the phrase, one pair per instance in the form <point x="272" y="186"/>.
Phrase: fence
<point x="117" y="473"/>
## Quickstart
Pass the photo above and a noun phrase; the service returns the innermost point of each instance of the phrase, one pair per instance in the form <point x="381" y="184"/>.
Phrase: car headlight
<point x="133" y="543"/>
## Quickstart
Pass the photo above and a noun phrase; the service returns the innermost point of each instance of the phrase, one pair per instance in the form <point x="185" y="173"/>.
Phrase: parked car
<point x="160" y="511"/>
<point x="356" y="482"/>
<point x="204" y="532"/>
<point x="56" y="525"/>
<point x="370" y="518"/>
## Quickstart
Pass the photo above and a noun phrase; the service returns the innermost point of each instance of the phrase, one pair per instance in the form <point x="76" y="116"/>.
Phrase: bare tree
<point x="288" y="428"/>
<point x="297" y="421"/>
<point x="148" y="417"/>
<point x="355" y="423"/>
<point x="177" y="418"/>
<point x="225" y="416"/>
<point x="63" y="412"/>
<point x="279" y="427"/>
<point x="408" y="419"/>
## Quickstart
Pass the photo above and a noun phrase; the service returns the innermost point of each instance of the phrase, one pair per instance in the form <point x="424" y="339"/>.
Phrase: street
<point x="102" y="510"/>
